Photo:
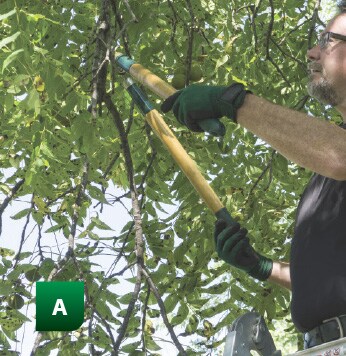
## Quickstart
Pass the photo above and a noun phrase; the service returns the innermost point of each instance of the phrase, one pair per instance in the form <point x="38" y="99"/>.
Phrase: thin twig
<point x="163" y="313"/>
<point x="99" y="66"/>
<point x="269" y="34"/>
<point x="190" y="30"/>
<point x="17" y="257"/>
<point x="123" y="27"/>
<point x="8" y="199"/>
<point x="175" y="20"/>
<point x="129" y="312"/>
<point x="139" y="247"/>
<point x="314" y="19"/>
<point x="144" y="319"/>
<point x="268" y="166"/>
<point x="108" y="328"/>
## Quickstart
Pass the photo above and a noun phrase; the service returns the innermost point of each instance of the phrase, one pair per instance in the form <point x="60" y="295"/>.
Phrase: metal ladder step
<point x="333" y="348"/>
<point x="249" y="332"/>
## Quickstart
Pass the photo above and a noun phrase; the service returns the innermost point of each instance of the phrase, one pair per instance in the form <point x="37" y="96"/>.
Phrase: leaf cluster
<point x="66" y="155"/>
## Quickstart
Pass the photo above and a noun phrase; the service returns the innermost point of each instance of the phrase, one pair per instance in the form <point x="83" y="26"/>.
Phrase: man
<point x="317" y="270"/>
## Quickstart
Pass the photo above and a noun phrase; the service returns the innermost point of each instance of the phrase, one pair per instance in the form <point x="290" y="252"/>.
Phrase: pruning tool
<point x="161" y="129"/>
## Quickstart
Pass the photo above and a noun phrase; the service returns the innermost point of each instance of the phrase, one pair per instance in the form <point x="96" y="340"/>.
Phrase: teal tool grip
<point x="124" y="62"/>
<point x="138" y="96"/>
<point x="213" y="126"/>
<point x="223" y="214"/>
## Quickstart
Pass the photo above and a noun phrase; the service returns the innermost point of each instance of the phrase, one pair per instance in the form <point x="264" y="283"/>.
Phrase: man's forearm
<point x="310" y="142"/>
<point x="281" y="274"/>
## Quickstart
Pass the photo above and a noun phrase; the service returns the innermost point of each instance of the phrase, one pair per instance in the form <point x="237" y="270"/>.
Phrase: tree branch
<point x="268" y="166"/>
<point x="8" y="199"/>
<point x="123" y="27"/>
<point x="129" y="312"/>
<point x="101" y="59"/>
<point x="16" y="258"/>
<point x="314" y="19"/>
<point x="190" y="30"/>
<point x="108" y="328"/>
<point x="163" y="313"/>
<point x="139" y="247"/>
<point x="144" y="319"/>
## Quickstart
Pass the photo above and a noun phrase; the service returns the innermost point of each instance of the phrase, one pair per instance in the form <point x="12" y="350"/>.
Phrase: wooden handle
<point x="185" y="162"/>
<point x="151" y="81"/>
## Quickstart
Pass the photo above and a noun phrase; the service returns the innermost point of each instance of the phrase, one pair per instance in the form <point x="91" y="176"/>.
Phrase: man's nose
<point x="314" y="53"/>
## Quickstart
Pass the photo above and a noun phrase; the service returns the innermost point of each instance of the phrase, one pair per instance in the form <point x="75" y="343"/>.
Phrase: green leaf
<point x="181" y="315"/>
<point x="46" y="267"/>
<point x="12" y="320"/>
<point x="8" y="14"/>
<point x="6" y="288"/>
<point x="126" y="298"/>
<point x="6" y="344"/>
<point x="170" y="302"/>
<point x="100" y="224"/>
<point x="270" y="307"/>
<point x="93" y="236"/>
<point x="4" y="42"/>
<point x="5" y="252"/>
<point x="21" y="214"/>
<point x="217" y="288"/>
<point x="130" y="348"/>
<point x="151" y="344"/>
<point x="103" y="309"/>
<point x="24" y="255"/>
<point x="32" y="102"/>
<point x="10" y="59"/>
<point x="97" y="194"/>
<point x="54" y="228"/>
<point x="110" y="297"/>
<point x="221" y="61"/>
<point x="46" y="151"/>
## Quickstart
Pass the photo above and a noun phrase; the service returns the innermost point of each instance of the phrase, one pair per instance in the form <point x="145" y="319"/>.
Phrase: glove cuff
<point x="232" y="99"/>
<point x="263" y="268"/>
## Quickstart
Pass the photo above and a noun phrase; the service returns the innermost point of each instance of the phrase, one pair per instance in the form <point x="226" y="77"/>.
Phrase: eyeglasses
<point x="326" y="36"/>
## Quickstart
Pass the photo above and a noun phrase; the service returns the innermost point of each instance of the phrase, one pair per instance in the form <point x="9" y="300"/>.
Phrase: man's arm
<point x="310" y="142"/>
<point x="281" y="274"/>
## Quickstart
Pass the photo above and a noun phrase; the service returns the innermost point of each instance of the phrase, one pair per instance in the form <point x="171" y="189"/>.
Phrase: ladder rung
<point x="333" y="348"/>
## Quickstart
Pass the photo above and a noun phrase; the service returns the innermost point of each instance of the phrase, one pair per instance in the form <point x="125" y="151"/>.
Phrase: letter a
<point x="59" y="307"/>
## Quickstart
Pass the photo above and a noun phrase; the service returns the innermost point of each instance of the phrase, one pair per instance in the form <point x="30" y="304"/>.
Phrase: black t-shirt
<point x="318" y="254"/>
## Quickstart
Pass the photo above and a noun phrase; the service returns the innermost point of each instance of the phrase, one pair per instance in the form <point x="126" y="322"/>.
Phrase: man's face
<point x="327" y="77"/>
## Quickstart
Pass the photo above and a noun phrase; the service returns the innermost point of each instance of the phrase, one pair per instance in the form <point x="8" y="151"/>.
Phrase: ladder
<point x="336" y="347"/>
<point x="250" y="332"/>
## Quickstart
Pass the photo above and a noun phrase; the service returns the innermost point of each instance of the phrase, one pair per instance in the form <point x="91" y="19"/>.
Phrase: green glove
<point x="200" y="103"/>
<point x="233" y="247"/>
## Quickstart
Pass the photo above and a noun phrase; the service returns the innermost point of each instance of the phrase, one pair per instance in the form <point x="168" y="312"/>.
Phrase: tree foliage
<point x="71" y="139"/>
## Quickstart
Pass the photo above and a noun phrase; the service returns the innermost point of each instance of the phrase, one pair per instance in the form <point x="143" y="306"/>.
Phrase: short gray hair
<point x="341" y="4"/>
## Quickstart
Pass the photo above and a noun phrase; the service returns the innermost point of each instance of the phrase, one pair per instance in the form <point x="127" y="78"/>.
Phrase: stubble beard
<point x="323" y="90"/>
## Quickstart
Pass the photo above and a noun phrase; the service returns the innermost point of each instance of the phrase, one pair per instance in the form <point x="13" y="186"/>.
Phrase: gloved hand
<point x="233" y="247"/>
<point x="197" y="103"/>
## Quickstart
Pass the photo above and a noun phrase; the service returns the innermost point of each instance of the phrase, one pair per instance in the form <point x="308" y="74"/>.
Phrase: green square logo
<point x="59" y="306"/>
